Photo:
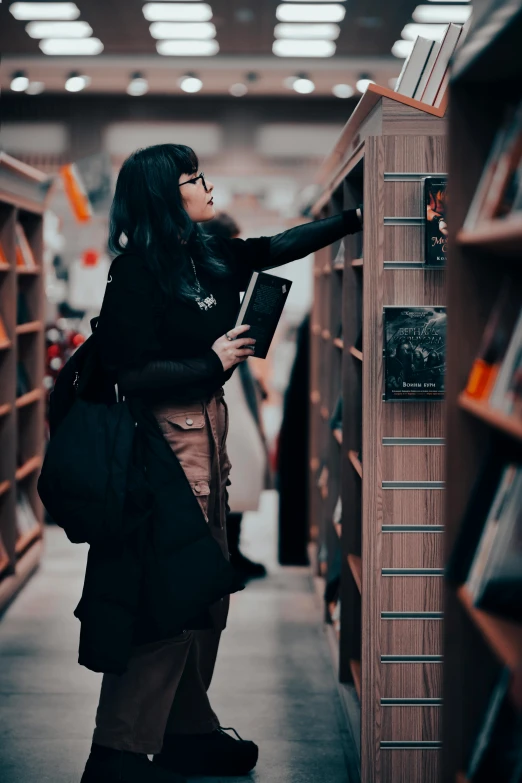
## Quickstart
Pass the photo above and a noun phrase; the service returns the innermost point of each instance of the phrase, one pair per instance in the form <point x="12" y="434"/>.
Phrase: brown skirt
<point x="197" y="432"/>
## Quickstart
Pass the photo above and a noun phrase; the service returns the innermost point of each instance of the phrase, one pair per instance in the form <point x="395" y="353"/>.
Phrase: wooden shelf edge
<point x="355" y="563"/>
<point x="5" y="409"/>
<point x="24" y="270"/>
<point x="5" y="345"/>
<point x="338" y="435"/>
<point x="5" y="267"/>
<point x="503" y="636"/>
<point x="27" y="539"/>
<point x="28" y="467"/>
<point x="495" y="419"/>
<point x="357" y="262"/>
<point x="30" y="397"/>
<point x="28" y="328"/>
<point x="353" y="456"/>
<point x="489" y="233"/>
<point x="355" y="668"/>
<point x="339" y="343"/>
<point x="5" y="486"/>
<point x="356" y="353"/>
<point x="339" y="267"/>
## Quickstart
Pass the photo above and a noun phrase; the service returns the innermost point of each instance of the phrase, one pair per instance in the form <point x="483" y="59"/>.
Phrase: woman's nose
<point x="210" y="186"/>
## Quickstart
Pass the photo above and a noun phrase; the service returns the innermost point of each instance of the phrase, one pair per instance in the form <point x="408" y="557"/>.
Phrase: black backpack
<point x="83" y="481"/>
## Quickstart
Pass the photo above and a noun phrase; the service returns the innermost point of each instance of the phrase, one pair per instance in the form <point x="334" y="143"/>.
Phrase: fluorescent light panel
<point x="58" y="30"/>
<point x="343" y="90"/>
<point x="328" y="32"/>
<point x="300" y="12"/>
<point x="28" y="11"/>
<point x="67" y="46"/>
<point x="182" y="30"/>
<point x="188" y="48"/>
<point x="402" y="48"/>
<point x="304" y="86"/>
<point x="294" y="48"/>
<point x="177" y="12"/>
<point x="442" y="13"/>
<point x="434" y="32"/>
<point x="363" y="84"/>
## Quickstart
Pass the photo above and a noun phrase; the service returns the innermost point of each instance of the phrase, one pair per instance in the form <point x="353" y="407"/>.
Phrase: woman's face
<point x="197" y="201"/>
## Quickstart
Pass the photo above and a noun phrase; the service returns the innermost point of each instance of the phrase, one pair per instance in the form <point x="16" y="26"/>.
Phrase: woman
<point x="166" y="337"/>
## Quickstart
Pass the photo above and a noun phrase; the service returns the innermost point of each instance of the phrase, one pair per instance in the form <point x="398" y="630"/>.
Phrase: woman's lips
<point x="211" y="202"/>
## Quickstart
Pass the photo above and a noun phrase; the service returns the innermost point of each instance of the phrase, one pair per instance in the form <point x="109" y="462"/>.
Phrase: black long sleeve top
<point x="168" y="355"/>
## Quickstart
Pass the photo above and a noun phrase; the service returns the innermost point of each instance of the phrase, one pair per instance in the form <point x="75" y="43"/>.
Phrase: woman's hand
<point x="233" y="351"/>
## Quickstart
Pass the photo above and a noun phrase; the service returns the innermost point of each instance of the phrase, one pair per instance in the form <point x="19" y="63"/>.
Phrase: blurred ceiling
<point x="244" y="27"/>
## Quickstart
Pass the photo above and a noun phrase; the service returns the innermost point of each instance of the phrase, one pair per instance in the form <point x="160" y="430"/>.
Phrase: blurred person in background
<point x="246" y="444"/>
<point x="166" y="337"/>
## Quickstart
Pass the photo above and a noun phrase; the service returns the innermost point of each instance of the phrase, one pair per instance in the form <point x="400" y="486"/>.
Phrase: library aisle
<point x="274" y="680"/>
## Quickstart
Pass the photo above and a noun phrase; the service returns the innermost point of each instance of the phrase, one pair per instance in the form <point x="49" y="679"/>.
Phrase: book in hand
<point x="261" y="308"/>
<point x="414" y="67"/>
<point x="495" y="578"/>
<point x="414" y="353"/>
<point x="436" y="235"/>
<point x="495" y="341"/>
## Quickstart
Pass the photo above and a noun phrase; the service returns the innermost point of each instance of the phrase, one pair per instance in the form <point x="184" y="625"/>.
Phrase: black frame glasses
<point x="195" y="179"/>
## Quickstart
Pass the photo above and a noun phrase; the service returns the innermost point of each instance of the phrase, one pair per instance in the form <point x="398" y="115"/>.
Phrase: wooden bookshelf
<point x="477" y="644"/>
<point x="338" y="435"/>
<point x="385" y="150"/>
<point x="339" y="343"/>
<point x="23" y="196"/>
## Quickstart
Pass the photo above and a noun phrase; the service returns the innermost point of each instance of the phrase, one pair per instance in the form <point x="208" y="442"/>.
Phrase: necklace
<point x="209" y="301"/>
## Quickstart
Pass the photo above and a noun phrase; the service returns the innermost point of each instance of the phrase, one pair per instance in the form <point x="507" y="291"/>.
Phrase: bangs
<point x="186" y="159"/>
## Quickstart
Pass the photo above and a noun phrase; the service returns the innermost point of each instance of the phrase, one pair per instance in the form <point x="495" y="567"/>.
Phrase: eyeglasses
<point x="195" y="179"/>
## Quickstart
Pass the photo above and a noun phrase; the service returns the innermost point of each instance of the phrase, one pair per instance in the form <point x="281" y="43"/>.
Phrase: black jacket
<point x="166" y="570"/>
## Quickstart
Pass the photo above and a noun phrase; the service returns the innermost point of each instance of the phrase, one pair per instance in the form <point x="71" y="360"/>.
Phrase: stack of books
<point x="425" y="73"/>
<point x="496" y="374"/>
<point x="499" y="191"/>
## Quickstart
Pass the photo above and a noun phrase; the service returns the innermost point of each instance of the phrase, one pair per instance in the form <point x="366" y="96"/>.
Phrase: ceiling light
<point x="299" y="12"/>
<point x="35" y="88"/>
<point x="343" y="90"/>
<point x="188" y="30"/>
<point x="304" y="85"/>
<point x="442" y="13"/>
<point x="138" y="85"/>
<point x="402" y="48"/>
<point x="58" y="30"/>
<point x="27" y="11"/>
<point x="325" y="31"/>
<point x="289" y="82"/>
<point x="287" y="47"/>
<point x="71" y="46"/>
<point x="177" y="12"/>
<point x="190" y="83"/>
<point x="238" y="90"/>
<point x="188" y="48"/>
<point x="76" y="82"/>
<point x="364" y="82"/>
<point x="19" y="81"/>
<point x="434" y="32"/>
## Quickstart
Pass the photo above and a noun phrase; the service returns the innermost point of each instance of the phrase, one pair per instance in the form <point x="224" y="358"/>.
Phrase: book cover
<point x="427" y="71"/>
<point x="261" y="307"/>
<point x="414" y="66"/>
<point x="436" y="228"/>
<point x="495" y="341"/>
<point x="448" y="45"/>
<point x="414" y="353"/>
<point x="497" y="398"/>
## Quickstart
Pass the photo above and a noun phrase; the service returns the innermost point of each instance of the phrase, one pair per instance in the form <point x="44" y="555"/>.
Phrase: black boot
<point x="106" y="765"/>
<point x="208" y="754"/>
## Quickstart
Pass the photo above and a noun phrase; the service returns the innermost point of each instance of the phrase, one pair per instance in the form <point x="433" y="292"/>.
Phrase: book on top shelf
<point x="24" y="253"/>
<point x="436" y="228"/>
<point x="414" y="66"/>
<point x="495" y="341"/>
<point x="447" y="48"/>
<point x="421" y="86"/>
<point x="415" y="353"/>
<point x="262" y="307"/>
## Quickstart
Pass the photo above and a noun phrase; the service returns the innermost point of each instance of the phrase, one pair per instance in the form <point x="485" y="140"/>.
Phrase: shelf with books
<point x="385" y="137"/>
<point x="496" y="419"/>
<point x="503" y="636"/>
<point x="483" y="572"/>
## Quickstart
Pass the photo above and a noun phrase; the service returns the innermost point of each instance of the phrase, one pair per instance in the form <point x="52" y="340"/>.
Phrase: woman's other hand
<point x="232" y="350"/>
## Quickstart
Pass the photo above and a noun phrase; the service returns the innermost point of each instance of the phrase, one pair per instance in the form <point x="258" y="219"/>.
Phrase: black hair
<point x="148" y="218"/>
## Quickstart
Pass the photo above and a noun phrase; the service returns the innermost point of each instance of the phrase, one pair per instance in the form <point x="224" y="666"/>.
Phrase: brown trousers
<point x="164" y="690"/>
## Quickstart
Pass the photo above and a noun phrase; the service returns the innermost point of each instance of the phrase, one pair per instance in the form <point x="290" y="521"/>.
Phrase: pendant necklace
<point x="209" y="301"/>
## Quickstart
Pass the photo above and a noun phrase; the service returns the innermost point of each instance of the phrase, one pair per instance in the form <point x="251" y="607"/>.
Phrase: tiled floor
<point x="273" y="682"/>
